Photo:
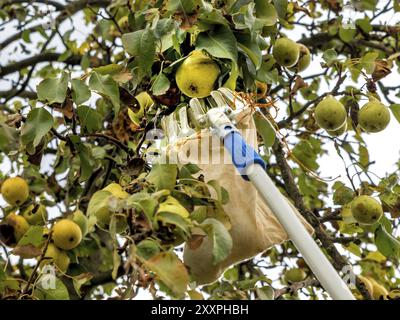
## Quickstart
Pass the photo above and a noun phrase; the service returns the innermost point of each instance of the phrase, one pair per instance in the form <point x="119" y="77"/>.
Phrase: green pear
<point x="286" y="52"/>
<point x="330" y="114"/>
<point x="366" y="210"/>
<point x="373" y="116"/>
<point x="295" y="275"/>
<point x="304" y="59"/>
<point x="81" y="220"/>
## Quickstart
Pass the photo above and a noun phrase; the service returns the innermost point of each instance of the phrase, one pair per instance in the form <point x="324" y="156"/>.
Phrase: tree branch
<point x="68" y="11"/>
<point x="295" y="287"/>
<point x="22" y="94"/>
<point x="42" y="57"/>
<point x="55" y="4"/>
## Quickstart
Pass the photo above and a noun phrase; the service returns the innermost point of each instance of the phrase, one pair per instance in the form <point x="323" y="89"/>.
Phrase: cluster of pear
<point x="292" y="55"/>
<point x="66" y="233"/>
<point x="331" y="115"/>
<point x="15" y="192"/>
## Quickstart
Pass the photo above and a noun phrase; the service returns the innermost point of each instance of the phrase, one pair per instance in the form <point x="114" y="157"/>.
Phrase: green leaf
<point x="172" y="205"/>
<point x="141" y="44"/>
<point x="281" y="7"/>
<point x="395" y="108"/>
<point x="364" y="156"/>
<point x="107" y="87"/>
<point x="221" y="43"/>
<point x="265" y="293"/>
<point x="53" y="90"/>
<point x="37" y="125"/>
<point x="170" y="218"/>
<point x="251" y="49"/>
<point x="147" y="248"/>
<point x="109" y="69"/>
<point x="346" y="34"/>
<point x="220" y="237"/>
<point x="306" y="153"/>
<point x="170" y="270"/>
<point x="48" y="287"/>
<point x="222" y="194"/>
<point x="98" y="202"/>
<point x="86" y="160"/>
<point x="330" y="56"/>
<point x="90" y="119"/>
<point x="160" y="85"/>
<point x="342" y="194"/>
<point x="33" y="236"/>
<point x="185" y="6"/>
<point x="368" y="61"/>
<point x="265" y="129"/>
<point x="9" y="138"/>
<point x="163" y="176"/>
<point x="388" y="245"/>
<point x="80" y="91"/>
<point x="266" y="13"/>
<point x="143" y="201"/>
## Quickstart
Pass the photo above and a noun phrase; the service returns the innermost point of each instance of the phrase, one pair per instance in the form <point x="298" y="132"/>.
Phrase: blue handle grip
<point x="242" y="154"/>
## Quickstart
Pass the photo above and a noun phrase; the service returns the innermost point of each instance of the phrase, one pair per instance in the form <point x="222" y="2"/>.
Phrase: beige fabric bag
<point x="254" y="227"/>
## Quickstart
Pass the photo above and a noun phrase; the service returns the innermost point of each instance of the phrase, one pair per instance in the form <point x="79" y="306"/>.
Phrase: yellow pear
<point x="35" y="214"/>
<point x="373" y="116"/>
<point x="330" y="114"/>
<point x="12" y="229"/>
<point x="66" y="234"/>
<point x="304" y="59"/>
<point x="286" y="52"/>
<point x="295" y="275"/>
<point x="197" y="75"/>
<point x="366" y="210"/>
<point x="57" y="257"/>
<point x="15" y="191"/>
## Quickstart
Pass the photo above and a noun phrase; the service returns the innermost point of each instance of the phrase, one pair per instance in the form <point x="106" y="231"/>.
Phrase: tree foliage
<point x="70" y="79"/>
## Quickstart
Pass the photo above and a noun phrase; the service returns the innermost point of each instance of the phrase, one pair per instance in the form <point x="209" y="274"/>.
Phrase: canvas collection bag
<point x="254" y="227"/>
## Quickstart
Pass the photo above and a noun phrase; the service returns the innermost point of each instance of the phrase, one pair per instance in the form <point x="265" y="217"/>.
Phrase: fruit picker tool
<point x="216" y="113"/>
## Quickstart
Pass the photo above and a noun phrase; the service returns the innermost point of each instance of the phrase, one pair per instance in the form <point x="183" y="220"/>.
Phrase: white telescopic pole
<point x="305" y="244"/>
